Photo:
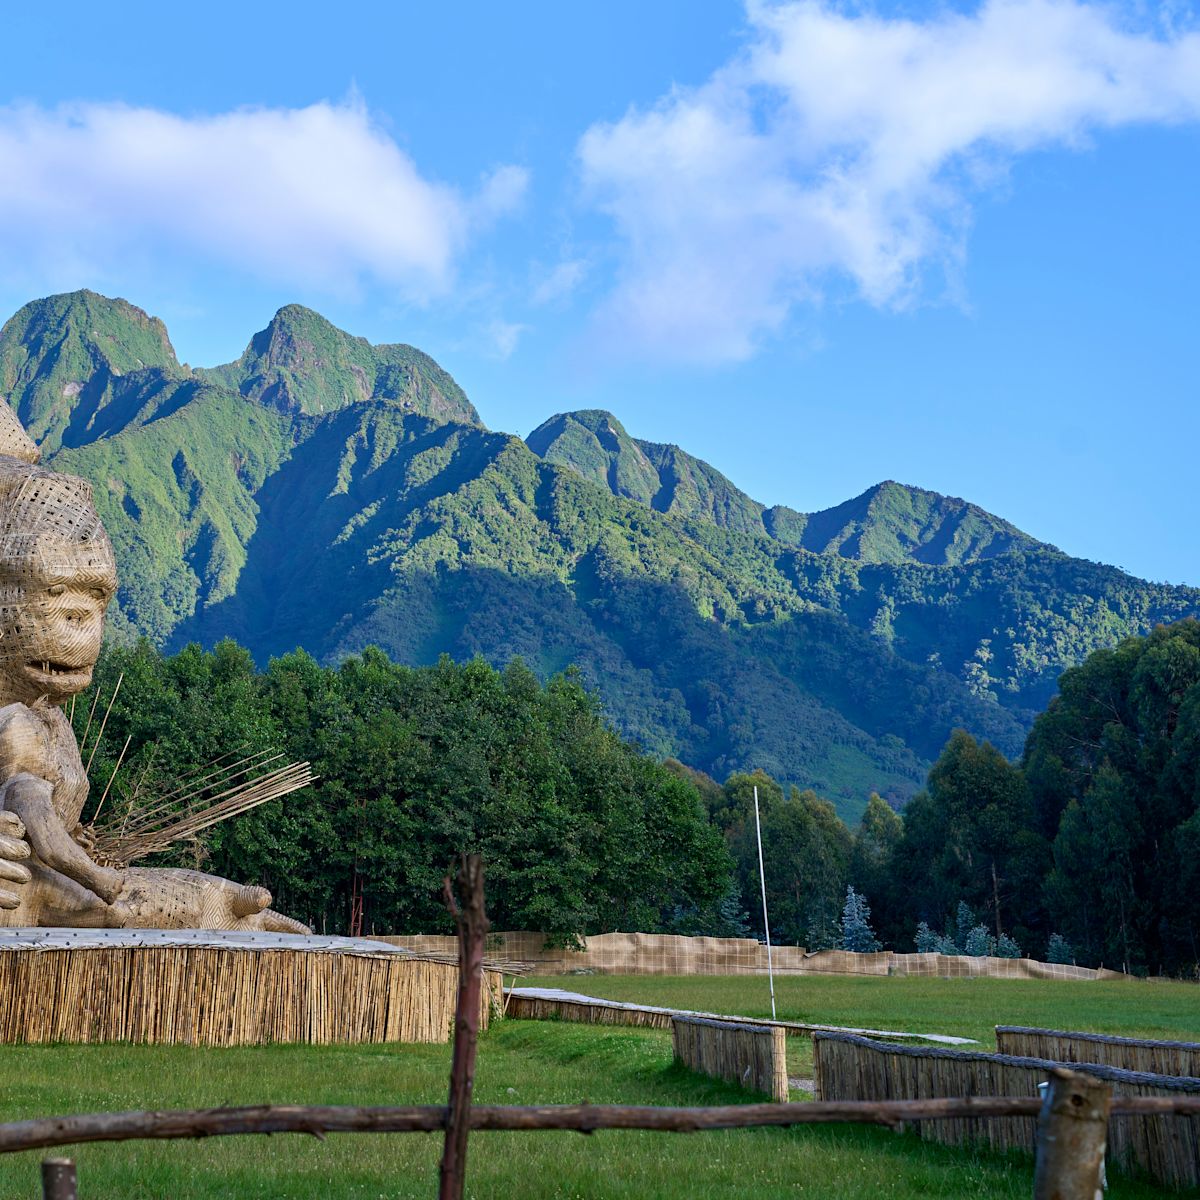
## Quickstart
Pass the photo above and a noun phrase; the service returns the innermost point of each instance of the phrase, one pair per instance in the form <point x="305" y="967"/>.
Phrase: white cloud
<point x="503" y="192"/>
<point x="503" y="336"/>
<point x="560" y="281"/>
<point x="842" y="146"/>
<point x="318" y="196"/>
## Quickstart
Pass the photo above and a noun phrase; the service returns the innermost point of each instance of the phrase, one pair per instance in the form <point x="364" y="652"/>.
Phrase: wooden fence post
<point x="472" y="923"/>
<point x="1072" y="1133"/>
<point x="58" y="1179"/>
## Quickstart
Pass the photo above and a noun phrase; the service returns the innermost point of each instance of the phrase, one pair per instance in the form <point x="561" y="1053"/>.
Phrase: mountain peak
<point x="593" y="443"/>
<point x="61" y="358"/>
<point x="896" y="522"/>
<point x="302" y="362"/>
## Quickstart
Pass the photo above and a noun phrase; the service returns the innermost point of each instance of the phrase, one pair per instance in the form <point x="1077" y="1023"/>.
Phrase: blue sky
<point x="818" y="246"/>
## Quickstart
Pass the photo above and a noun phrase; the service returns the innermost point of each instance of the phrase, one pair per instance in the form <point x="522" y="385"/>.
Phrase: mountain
<point x="81" y="366"/>
<point x="894" y="523"/>
<point x="594" y="444"/>
<point x="302" y="363"/>
<point x="327" y="493"/>
<point x="889" y="523"/>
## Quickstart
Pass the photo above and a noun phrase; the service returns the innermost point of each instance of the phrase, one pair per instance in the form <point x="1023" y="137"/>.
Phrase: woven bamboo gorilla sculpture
<point x="57" y="576"/>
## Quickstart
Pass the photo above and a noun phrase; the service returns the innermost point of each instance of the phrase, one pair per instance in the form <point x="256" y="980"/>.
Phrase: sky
<point x="817" y="245"/>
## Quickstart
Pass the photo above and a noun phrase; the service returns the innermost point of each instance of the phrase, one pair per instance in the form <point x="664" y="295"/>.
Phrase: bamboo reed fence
<point x="226" y="996"/>
<point x="752" y="1055"/>
<point x="673" y="954"/>
<point x="1129" y="1054"/>
<point x="586" y="1011"/>
<point x="1165" y="1146"/>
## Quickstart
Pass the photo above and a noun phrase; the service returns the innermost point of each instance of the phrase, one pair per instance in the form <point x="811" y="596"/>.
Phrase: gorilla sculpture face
<point x="57" y="576"/>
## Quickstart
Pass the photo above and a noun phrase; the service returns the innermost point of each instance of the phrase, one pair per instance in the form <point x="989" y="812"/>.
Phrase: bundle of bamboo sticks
<point x="223" y="789"/>
<point x="220" y="792"/>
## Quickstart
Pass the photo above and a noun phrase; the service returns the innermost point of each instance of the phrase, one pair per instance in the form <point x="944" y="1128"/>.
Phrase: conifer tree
<point x="856" y="931"/>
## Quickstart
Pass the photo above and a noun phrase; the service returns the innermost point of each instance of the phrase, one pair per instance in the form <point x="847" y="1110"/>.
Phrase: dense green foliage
<point x="302" y="363"/>
<point x="324" y="493"/>
<point x="81" y="366"/>
<point x="1093" y="840"/>
<point x="579" y="831"/>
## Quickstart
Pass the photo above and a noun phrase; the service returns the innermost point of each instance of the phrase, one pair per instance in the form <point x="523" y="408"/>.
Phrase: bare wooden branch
<point x="1072" y="1132"/>
<point x="321" y="1119"/>
<point x="472" y="923"/>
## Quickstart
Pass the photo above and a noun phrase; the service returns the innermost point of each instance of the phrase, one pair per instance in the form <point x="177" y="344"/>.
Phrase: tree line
<point x="1087" y="848"/>
<point x="580" y="831"/>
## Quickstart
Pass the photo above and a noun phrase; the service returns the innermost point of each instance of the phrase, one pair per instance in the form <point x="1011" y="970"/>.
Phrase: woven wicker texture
<point x="14" y="441"/>
<point x="57" y="576"/>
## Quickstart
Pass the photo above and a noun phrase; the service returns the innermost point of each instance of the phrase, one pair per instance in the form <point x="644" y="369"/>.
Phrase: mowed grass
<point x="961" y="1007"/>
<point x="524" y="1062"/>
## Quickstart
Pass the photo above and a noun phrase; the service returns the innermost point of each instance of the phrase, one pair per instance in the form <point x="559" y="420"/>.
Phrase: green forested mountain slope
<point x="895" y="523"/>
<point x="264" y="501"/>
<point x="889" y="523"/>
<point x="81" y="366"/>
<point x="594" y="444"/>
<point x="304" y="364"/>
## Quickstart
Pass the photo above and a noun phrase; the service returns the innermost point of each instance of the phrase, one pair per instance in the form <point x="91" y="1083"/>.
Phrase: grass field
<point x="530" y="1062"/>
<point x="521" y="1062"/>
<point x="963" y="1007"/>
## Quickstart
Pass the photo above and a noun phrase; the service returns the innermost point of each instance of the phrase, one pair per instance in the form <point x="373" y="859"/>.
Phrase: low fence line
<point x="211" y="995"/>
<point x="317" y="1120"/>
<point x="1166" y="1146"/>
<point x="1129" y="1054"/>
<point x="753" y="1055"/>
<point x="674" y="954"/>
<point x="547" y="1004"/>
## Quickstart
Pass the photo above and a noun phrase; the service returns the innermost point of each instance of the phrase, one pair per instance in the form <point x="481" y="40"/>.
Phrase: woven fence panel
<point x="204" y="996"/>
<point x="540" y="1008"/>
<point x="1128" y="1054"/>
<point x="752" y="1055"/>
<point x="671" y="954"/>
<point x="961" y="966"/>
<point x="1166" y="1147"/>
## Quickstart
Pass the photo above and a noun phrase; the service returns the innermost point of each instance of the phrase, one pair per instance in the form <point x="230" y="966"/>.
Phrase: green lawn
<point x="519" y="1062"/>
<point x="963" y="1007"/>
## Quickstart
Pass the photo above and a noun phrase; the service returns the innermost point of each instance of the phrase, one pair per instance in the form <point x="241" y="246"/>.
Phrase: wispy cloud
<point x="503" y="336"/>
<point x="319" y="196"/>
<point x="559" y="282"/>
<point x="843" y="145"/>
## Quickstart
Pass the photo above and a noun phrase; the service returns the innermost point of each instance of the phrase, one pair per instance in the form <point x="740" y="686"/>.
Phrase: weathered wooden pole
<point x="58" y="1179"/>
<point x="1072" y="1133"/>
<point x="472" y="923"/>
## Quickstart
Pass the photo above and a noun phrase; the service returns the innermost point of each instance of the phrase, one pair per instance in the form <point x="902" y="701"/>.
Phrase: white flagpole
<point x="762" y="879"/>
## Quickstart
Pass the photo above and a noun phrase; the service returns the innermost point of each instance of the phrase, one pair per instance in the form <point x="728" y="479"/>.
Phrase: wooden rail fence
<point x="1164" y="1144"/>
<point x="1129" y="1054"/>
<point x="752" y="1055"/>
